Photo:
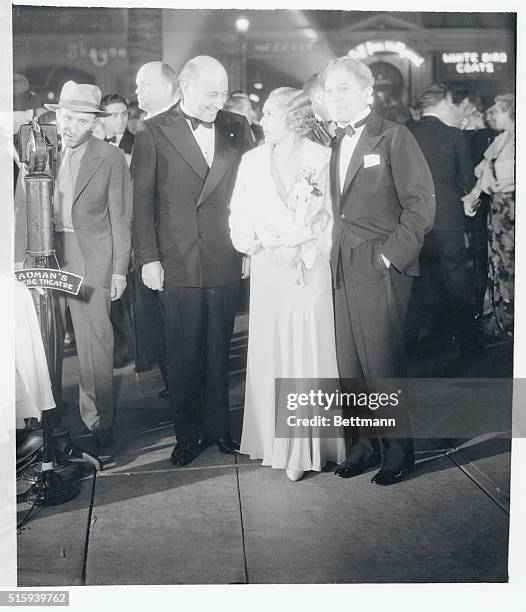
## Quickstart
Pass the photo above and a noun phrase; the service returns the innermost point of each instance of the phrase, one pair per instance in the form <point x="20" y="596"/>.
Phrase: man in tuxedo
<point x="157" y="87"/>
<point x="119" y="136"/>
<point x="187" y="158"/>
<point x="383" y="202"/>
<point x="92" y="238"/>
<point x="115" y="123"/>
<point x="157" y="91"/>
<point x="444" y="255"/>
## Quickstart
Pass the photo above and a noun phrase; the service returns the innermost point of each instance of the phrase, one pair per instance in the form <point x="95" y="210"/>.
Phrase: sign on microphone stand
<point x="49" y="278"/>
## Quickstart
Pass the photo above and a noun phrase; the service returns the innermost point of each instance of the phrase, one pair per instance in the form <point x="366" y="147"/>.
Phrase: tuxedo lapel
<point x="91" y="161"/>
<point x="335" y="175"/>
<point x="369" y="139"/>
<point x="178" y="132"/>
<point x="224" y="155"/>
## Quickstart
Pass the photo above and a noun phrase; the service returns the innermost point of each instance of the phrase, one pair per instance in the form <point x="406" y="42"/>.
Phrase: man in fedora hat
<point x="24" y="104"/>
<point x="92" y="219"/>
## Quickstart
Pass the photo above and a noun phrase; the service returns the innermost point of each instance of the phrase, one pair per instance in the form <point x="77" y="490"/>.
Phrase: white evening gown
<point x="291" y="327"/>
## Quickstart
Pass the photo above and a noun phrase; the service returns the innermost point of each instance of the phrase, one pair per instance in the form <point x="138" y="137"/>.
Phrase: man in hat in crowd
<point x="92" y="238"/>
<point x="24" y="104"/>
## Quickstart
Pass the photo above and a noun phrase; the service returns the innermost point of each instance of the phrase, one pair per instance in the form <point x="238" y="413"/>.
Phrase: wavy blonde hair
<point x="297" y="108"/>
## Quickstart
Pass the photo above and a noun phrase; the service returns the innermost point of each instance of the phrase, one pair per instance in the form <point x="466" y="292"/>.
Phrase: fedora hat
<point x="81" y="98"/>
<point x="23" y="99"/>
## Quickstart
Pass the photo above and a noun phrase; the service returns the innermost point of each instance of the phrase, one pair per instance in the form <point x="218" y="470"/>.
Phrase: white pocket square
<point x="371" y="160"/>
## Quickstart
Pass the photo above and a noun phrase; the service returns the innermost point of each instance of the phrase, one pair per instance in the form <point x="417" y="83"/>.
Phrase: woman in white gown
<point x="280" y="215"/>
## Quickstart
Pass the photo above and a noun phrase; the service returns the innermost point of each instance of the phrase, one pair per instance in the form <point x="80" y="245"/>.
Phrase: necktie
<point x="195" y="122"/>
<point x="112" y="139"/>
<point x="65" y="188"/>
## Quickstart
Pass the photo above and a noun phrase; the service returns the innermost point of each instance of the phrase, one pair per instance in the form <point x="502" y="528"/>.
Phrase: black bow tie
<point x="196" y="122"/>
<point x="112" y="139"/>
<point x="349" y="130"/>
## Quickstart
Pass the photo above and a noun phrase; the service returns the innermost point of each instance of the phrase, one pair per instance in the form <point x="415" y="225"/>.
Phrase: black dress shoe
<point x="227" y="446"/>
<point x="387" y="477"/>
<point x="102" y="438"/>
<point x="164" y="394"/>
<point x="185" y="452"/>
<point x="348" y="469"/>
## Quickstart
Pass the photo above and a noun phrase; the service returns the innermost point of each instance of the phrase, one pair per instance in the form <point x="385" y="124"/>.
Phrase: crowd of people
<point x="351" y="227"/>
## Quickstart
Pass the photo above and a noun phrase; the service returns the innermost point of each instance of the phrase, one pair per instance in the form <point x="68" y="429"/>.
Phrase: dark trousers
<point x="444" y="281"/>
<point x="121" y="320"/>
<point x="198" y="328"/>
<point x="370" y="309"/>
<point x="150" y="343"/>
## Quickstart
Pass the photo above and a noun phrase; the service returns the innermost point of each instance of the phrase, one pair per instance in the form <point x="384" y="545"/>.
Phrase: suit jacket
<point x="449" y="158"/>
<point x="391" y="201"/>
<point x="189" y="232"/>
<point x="101" y="213"/>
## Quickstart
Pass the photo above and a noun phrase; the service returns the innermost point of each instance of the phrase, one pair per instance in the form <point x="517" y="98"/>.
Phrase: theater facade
<point x="406" y="51"/>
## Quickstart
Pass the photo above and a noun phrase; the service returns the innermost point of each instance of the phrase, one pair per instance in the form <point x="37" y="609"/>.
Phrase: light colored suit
<point x="99" y="247"/>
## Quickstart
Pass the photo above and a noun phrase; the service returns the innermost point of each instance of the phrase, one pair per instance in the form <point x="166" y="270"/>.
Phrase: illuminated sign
<point x="281" y="48"/>
<point x="370" y="48"/>
<point x="99" y="56"/>
<point x="469" y="62"/>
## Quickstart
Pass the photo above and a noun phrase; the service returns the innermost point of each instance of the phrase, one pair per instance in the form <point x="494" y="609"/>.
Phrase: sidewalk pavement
<point x="228" y="520"/>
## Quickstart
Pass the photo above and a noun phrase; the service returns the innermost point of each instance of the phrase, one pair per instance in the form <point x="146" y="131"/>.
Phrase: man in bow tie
<point x="187" y="158"/>
<point x="383" y="203"/>
<point x="115" y="123"/>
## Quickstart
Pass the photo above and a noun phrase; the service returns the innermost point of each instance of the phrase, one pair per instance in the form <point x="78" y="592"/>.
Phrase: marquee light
<point x="370" y="48"/>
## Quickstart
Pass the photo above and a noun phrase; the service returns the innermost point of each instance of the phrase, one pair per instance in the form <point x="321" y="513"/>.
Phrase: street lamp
<point x="242" y="25"/>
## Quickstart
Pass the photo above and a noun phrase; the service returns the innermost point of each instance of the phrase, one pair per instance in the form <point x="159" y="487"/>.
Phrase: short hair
<point x="170" y="75"/>
<point x="360" y="71"/>
<point x="506" y="103"/>
<point x="311" y="84"/>
<point x="458" y="95"/>
<point x="299" y="116"/>
<point x="433" y="94"/>
<point x="188" y="73"/>
<point x="112" y="98"/>
<point x="237" y="103"/>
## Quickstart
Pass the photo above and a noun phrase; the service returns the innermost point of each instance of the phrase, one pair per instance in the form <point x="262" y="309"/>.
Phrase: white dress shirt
<point x="349" y="143"/>
<point x="205" y="138"/>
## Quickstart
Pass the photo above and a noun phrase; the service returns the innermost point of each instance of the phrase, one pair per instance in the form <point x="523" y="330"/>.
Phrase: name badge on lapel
<point x="371" y="160"/>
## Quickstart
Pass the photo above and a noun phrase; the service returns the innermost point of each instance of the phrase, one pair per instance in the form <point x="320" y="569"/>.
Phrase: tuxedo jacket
<point x="127" y="140"/>
<point x="449" y="158"/>
<point x="101" y="213"/>
<point x="388" y="194"/>
<point x="180" y="204"/>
